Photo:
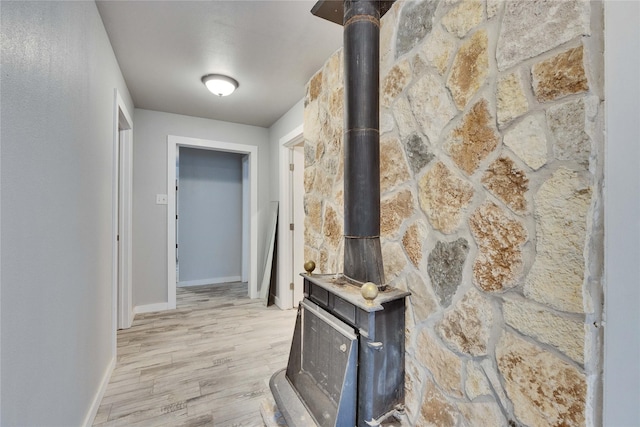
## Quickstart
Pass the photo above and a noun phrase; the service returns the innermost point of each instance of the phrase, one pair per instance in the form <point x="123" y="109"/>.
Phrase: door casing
<point x="122" y="216"/>
<point x="286" y="267"/>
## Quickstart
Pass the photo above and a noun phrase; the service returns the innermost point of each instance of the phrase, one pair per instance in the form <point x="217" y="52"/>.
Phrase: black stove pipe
<point x="362" y="251"/>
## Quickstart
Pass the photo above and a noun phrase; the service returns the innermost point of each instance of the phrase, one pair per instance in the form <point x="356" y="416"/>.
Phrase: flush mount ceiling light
<point x="220" y="85"/>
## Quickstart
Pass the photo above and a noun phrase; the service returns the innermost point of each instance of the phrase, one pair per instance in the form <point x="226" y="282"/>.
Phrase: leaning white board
<point x="266" y="276"/>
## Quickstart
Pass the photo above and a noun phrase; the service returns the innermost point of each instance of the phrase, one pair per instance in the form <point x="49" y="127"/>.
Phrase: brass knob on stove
<point x="309" y="266"/>
<point x="369" y="292"/>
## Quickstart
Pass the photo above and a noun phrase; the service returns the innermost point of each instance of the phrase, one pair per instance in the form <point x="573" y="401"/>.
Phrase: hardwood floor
<point x="207" y="363"/>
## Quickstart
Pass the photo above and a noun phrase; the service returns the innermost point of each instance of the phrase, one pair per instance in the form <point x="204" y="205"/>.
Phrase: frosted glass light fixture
<point x="220" y="85"/>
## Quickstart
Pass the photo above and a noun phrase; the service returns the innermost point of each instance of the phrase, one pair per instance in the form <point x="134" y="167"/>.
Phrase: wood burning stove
<point x="346" y="365"/>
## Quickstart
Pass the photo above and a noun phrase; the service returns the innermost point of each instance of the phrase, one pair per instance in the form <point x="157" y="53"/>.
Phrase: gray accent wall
<point x="209" y="215"/>
<point x="150" y="178"/>
<point x="622" y="215"/>
<point x="58" y="79"/>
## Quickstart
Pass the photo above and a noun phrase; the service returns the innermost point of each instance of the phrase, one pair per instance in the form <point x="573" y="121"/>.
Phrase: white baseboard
<point x="147" y="308"/>
<point x="97" y="399"/>
<point x="210" y="281"/>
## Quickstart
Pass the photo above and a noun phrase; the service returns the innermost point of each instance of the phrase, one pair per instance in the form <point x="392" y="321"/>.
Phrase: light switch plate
<point x="161" y="199"/>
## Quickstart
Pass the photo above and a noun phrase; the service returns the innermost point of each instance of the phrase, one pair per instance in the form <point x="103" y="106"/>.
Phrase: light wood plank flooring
<point x="206" y="363"/>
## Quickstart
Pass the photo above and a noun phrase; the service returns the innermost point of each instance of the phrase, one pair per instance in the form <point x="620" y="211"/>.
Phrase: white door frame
<point x="285" y="243"/>
<point x="173" y="142"/>
<point x="296" y="196"/>
<point x="246" y="235"/>
<point x="122" y="170"/>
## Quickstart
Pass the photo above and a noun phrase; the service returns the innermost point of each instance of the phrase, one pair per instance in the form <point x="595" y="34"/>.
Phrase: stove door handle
<point x="375" y="345"/>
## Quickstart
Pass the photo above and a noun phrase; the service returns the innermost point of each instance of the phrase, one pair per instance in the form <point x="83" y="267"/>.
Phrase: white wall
<point x="209" y="216"/>
<point x="622" y="215"/>
<point x="58" y="80"/>
<point x="285" y="124"/>
<point x="150" y="178"/>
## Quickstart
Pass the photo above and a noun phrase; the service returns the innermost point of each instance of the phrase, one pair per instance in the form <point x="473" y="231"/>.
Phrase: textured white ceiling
<point x="271" y="47"/>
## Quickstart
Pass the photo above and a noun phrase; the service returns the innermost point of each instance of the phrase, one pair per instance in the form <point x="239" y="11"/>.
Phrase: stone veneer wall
<point x="491" y="181"/>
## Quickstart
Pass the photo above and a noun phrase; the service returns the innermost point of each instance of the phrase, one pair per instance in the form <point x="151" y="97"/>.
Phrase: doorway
<point x="250" y="203"/>
<point x="209" y="217"/>
<point x="122" y="216"/>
